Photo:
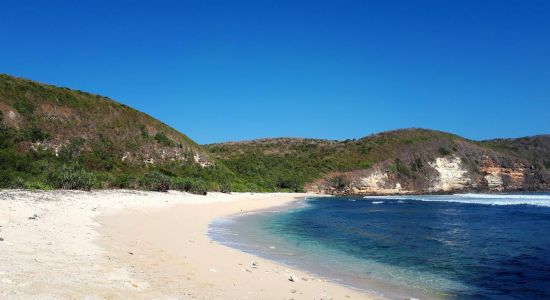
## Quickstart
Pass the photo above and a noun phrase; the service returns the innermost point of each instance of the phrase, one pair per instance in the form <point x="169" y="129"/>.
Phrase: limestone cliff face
<point x="452" y="175"/>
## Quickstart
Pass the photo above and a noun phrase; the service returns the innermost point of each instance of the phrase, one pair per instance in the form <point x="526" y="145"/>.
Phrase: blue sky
<point x="236" y="70"/>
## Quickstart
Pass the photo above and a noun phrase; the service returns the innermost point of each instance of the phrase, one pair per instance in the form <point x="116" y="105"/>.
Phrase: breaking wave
<point x="484" y="199"/>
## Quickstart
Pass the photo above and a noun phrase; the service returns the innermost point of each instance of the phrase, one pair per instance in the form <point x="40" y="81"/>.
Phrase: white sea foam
<point x="485" y="199"/>
<point x="377" y="202"/>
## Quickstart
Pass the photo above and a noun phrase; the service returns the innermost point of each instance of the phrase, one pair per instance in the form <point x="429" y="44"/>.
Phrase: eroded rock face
<point x="501" y="177"/>
<point x="452" y="175"/>
<point x="378" y="182"/>
<point x="11" y="116"/>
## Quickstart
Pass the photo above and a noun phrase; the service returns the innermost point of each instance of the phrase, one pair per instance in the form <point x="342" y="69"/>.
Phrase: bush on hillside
<point x="24" y="107"/>
<point x="73" y="177"/>
<point x="37" y="185"/>
<point x="35" y="134"/>
<point x="192" y="185"/>
<point x="225" y="187"/>
<point x="443" y="151"/>
<point x="126" y="181"/>
<point x="163" y="139"/>
<point x="72" y="150"/>
<point x="156" y="181"/>
<point x="339" y="182"/>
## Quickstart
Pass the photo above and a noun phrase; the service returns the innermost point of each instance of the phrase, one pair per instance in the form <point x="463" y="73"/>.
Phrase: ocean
<point x="465" y="246"/>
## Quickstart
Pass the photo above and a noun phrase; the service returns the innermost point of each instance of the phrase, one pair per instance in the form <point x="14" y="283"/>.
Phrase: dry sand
<point x="145" y="245"/>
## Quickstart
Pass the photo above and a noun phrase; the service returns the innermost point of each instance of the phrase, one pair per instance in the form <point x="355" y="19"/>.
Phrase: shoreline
<point x="207" y="269"/>
<point x="135" y="244"/>
<point x="254" y="242"/>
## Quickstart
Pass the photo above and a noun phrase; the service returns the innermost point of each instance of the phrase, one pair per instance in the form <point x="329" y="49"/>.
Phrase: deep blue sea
<point x="468" y="246"/>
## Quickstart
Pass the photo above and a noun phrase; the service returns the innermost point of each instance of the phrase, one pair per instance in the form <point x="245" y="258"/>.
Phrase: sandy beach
<point x="120" y="244"/>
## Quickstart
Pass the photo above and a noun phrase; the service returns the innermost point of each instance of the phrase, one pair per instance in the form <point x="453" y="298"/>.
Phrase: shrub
<point x="34" y="134"/>
<point x="37" y="185"/>
<point x="287" y="182"/>
<point x="443" y="151"/>
<point x="73" y="178"/>
<point x="417" y="164"/>
<point x="17" y="183"/>
<point x="339" y="182"/>
<point x="402" y="168"/>
<point x="24" y="107"/>
<point x="156" y="181"/>
<point x="126" y="181"/>
<point x="191" y="185"/>
<point x="143" y="131"/>
<point x="163" y="139"/>
<point x="7" y="136"/>
<point x="181" y="184"/>
<point x="225" y="187"/>
<point x="198" y="186"/>
<point x="72" y="150"/>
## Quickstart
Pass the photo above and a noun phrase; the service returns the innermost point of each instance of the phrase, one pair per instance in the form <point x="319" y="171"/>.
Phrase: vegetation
<point x="288" y="164"/>
<point x="73" y="177"/>
<point x="53" y="137"/>
<point x="156" y="181"/>
<point x="535" y="149"/>
<point x="163" y="139"/>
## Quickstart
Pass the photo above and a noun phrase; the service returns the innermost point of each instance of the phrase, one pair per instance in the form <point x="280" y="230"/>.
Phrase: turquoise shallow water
<point x="456" y="246"/>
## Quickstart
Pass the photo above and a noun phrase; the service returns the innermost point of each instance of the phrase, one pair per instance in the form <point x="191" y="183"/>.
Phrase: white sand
<point x="129" y="244"/>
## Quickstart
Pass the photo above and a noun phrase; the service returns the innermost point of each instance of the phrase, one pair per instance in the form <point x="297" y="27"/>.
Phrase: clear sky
<point x="235" y="70"/>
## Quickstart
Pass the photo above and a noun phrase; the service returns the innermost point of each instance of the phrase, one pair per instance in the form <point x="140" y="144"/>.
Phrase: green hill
<point x="48" y="132"/>
<point x="401" y="161"/>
